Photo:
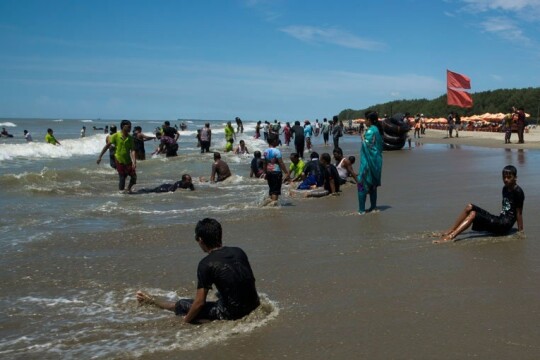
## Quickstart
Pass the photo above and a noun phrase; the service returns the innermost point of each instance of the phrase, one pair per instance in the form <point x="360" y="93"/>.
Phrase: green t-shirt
<point x="123" y="147"/>
<point x="297" y="169"/>
<point x="229" y="133"/>
<point x="50" y="139"/>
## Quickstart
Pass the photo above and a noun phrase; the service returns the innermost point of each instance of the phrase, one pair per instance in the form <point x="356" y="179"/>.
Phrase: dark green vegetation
<point x="496" y="101"/>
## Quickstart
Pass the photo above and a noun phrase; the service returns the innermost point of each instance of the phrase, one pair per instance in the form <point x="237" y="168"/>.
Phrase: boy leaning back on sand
<point x="481" y="220"/>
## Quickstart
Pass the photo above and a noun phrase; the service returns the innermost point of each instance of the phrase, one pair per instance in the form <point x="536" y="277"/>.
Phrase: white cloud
<point x="504" y="5"/>
<point x="333" y="36"/>
<point x="508" y="19"/>
<point x="505" y="28"/>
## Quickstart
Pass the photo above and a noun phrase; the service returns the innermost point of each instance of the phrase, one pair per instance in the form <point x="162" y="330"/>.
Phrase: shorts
<point x="275" y="179"/>
<point x="125" y="169"/>
<point x="485" y="221"/>
<point x="212" y="310"/>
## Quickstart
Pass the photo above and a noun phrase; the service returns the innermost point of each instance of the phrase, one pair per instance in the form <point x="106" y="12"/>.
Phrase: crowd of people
<point x="228" y="268"/>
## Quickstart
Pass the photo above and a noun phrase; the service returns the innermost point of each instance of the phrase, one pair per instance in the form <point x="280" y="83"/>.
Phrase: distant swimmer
<point x="184" y="183"/>
<point x="83" y="131"/>
<point x="229" y="137"/>
<point x="139" y="138"/>
<point x="241" y="148"/>
<point x="220" y="169"/>
<point x="5" y="133"/>
<point x="49" y="138"/>
<point x="227" y="268"/>
<point x="27" y="136"/>
<point x="96" y="128"/>
<point x="257" y="166"/>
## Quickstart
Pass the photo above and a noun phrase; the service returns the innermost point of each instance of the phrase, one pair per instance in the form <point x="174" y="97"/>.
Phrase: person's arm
<point x="332" y="184"/>
<point x="519" y="212"/>
<point x="198" y="303"/>
<point x="350" y="170"/>
<point x="213" y="176"/>
<point x="133" y="156"/>
<point x="105" y="148"/>
<point x="284" y="168"/>
<point x="176" y="136"/>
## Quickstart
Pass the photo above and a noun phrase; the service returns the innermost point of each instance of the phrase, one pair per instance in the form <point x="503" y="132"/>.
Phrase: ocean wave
<point x="8" y="124"/>
<point x="109" y="324"/>
<point x="91" y="145"/>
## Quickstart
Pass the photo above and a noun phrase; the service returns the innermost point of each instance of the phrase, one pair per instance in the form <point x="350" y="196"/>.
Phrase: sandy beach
<point x="482" y="138"/>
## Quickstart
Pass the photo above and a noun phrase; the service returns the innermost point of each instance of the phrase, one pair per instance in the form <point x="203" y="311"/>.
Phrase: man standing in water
<point x="225" y="267"/>
<point x="124" y="155"/>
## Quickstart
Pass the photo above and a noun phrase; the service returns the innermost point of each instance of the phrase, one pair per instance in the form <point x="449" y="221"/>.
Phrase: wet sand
<point x="374" y="286"/>
<point x="347" y="286"/>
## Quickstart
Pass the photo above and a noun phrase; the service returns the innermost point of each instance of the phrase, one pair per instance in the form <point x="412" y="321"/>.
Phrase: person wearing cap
<point x="125" y="157"/>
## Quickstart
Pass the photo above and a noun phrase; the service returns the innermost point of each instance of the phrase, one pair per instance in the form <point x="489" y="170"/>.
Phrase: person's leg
<point x="144" y="298"/>
<point x="373" y="200"/>
<point x="361" y="199"/>
<point x="121" y="182"/>
<point x="465" y="224"/>
<point x="461" y="218"/>
<point x="132" y="180"/>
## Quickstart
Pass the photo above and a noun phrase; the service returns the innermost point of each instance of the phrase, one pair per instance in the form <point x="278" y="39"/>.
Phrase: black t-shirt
<point x="298" y="132"/>
<point x="229" y="270"/>
<point x="512" y="200"/>
<point x="171" y="187"/>
<point x="256" y="165"/>
<point x="170" y="132"/>
<point x="331" y="174"/>
<point x="314" y="167"/>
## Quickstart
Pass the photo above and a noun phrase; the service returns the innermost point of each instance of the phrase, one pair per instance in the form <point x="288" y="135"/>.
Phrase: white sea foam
<point x="91" y="145"/>
<point x="110" y="324"/>
<point x="8" y="124"/>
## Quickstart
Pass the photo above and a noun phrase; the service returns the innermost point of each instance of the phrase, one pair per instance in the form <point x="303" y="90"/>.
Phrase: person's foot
<point x="373" y="210"/>
<point x="361" y="213"/>
<point x="444" y="238"/>
<point x="144" y="298"/>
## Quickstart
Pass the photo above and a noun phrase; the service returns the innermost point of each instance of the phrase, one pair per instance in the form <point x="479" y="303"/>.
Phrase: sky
<point x="256" y="59"/>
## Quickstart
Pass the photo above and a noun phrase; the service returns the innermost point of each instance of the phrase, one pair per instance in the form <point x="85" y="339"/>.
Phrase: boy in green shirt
<point x="49" y="138"/>
<point x="124" y="155"/>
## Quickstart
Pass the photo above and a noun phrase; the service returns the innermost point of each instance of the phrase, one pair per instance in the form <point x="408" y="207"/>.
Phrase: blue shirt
<point x="272" y="157"/>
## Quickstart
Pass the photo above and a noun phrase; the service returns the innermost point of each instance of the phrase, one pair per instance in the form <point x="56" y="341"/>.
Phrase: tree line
<point x="492" y="101"/>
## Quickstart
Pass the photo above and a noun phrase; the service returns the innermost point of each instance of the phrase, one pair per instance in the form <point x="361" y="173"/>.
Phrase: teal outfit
<point x="369" y="175"/>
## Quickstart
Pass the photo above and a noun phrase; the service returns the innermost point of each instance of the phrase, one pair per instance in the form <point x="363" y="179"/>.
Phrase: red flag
<point x="459" y="98"/>
<point x="455" y="80"/>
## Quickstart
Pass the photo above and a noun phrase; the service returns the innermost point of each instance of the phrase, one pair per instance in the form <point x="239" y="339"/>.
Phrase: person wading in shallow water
<point x="225" y="267"/>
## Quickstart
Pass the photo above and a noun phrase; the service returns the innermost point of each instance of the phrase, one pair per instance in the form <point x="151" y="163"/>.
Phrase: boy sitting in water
<point x="481" y="220"/>
<point x="226" y="267"/>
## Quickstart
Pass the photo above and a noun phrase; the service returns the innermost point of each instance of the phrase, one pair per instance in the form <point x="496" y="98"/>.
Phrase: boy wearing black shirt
<point x="225" y="267"/>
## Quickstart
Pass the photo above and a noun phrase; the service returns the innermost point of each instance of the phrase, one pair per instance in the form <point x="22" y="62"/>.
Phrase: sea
<point x="74" y="250"/>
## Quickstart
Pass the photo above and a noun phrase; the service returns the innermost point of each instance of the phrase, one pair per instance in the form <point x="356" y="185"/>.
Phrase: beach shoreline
<point x="479" y="138"/>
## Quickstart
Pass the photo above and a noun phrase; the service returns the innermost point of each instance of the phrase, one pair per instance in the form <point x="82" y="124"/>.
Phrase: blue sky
<point x="257" y="59"/>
